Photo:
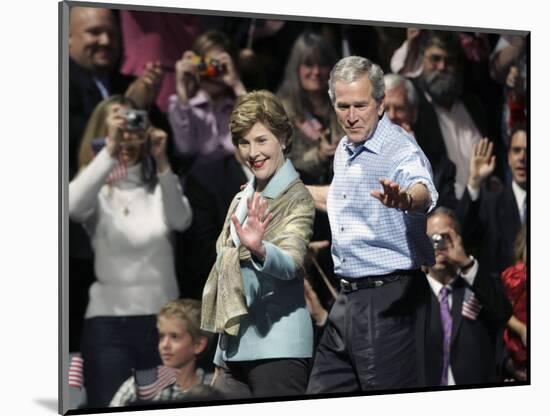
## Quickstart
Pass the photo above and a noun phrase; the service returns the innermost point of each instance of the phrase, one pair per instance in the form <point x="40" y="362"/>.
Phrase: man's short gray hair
<point x="352" y="68"/>
<point x="392" y="81"/>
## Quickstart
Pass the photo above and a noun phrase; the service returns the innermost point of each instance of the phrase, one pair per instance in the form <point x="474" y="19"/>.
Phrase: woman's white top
<point x="130" y="230"/>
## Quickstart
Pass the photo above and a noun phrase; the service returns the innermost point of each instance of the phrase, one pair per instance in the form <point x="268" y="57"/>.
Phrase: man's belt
<point x="349" y="284"/>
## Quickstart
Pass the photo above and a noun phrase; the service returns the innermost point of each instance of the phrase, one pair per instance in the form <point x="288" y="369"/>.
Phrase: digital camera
<point x="208" y="68"/>
<point x="136" y="120"/>
<point x="439" y="241"/>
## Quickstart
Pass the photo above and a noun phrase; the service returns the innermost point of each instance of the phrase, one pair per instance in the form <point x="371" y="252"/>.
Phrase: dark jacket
<point x="473" y="341"/>
<point x="490" y="226"/>
<point x="210" y="188"/>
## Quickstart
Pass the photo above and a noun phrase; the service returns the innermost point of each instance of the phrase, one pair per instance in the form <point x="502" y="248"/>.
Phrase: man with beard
<point x="401" y="105"/>
<point x="448" y="121"/>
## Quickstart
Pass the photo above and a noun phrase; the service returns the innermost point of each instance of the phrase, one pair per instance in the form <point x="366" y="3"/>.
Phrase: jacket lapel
<point x="458" y="298"/>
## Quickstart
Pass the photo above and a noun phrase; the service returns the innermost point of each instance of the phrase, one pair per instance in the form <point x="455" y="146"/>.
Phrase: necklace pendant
<point x="125" y="211"/>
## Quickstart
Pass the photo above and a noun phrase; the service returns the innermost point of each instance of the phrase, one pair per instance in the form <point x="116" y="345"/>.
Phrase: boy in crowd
<point x="180" y="343"/>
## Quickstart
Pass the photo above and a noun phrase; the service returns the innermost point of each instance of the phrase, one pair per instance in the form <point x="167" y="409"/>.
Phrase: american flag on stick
<point x="151" y="382"/>
<point x="119" y="172"/>
<point x="76" y="367"/>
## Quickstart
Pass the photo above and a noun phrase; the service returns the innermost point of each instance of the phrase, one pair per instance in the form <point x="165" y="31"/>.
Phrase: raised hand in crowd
<point x="187" y="77"/>
<point x="507" y="57"/>
<point x="414" y="40"/>
<point x="327" y="146"/>
<point x="158" y="139"/>
<point x="115" y="127"/>
<point x="144" y="90"/>
<point x="230" y="76"/>
<point x="482" y="163"/>
<point x="252" y="232"/>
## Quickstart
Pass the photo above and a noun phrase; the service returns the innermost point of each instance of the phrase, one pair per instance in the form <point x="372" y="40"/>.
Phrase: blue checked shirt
<point x="369" y="238"/>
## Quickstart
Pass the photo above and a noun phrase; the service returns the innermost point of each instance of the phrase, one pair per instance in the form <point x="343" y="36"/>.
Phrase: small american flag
<point x="76" y="366"/>
<point x="119" y="172"/>
<point x="151" y="382"/>
<point x="470" y="306"/>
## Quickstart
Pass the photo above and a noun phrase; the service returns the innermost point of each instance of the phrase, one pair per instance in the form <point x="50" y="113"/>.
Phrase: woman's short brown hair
<point x="260" y="107"/>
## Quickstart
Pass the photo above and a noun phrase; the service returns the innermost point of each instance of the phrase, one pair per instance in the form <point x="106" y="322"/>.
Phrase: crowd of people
<point x="261" y="208"/>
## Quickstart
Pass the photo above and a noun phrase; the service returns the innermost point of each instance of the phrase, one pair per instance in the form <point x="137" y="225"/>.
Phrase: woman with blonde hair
<point x="129" y="201"/>
<point x="254" y="295"/>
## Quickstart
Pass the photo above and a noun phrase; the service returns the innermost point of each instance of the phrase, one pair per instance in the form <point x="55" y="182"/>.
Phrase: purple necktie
<point x="447" y="324"/>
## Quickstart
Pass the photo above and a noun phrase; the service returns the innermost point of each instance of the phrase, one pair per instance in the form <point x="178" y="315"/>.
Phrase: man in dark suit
<point x="450" y="120"/>
<point x="94" y="50"/>
<point x="94" y="54"/>
<point x="468" y="309"/>
<point x="492" y="219"/>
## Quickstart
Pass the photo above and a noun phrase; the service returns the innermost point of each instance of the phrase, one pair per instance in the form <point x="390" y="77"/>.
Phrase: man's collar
<point x="376" y="140"/>
<point x="436" y="285"/>
<point x="518" y="190"/>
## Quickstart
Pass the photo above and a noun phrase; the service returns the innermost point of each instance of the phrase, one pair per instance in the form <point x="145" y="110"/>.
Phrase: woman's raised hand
<point x="252" y="232"/>
<point x="115" y="125"/>
<point x="158" y="139"/>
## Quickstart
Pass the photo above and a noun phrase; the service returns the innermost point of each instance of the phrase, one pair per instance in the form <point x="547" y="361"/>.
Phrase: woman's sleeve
<point x="415" y="168"/>
<point x="177" y="210"/>
<point x="185" y="128"/>
<point x="398" y="58"/>
<point x="285" y="254"/>
<point x="85" y="187"/>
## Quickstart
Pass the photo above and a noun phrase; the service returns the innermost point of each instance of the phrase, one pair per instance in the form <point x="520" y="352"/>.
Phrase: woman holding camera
<point x="254" y="296"/>
<point x="129" y="202"/>
<point x="207" y="83"/>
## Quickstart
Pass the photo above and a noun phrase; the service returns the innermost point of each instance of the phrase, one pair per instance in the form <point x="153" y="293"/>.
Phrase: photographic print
<point x="262" y="208"/>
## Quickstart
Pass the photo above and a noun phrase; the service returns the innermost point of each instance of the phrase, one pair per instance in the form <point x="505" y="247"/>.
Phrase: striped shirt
<point x="369" y="238"/>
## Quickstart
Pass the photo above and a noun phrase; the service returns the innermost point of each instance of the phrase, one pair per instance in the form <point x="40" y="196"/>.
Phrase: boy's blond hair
<point x="189" y="311"/>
